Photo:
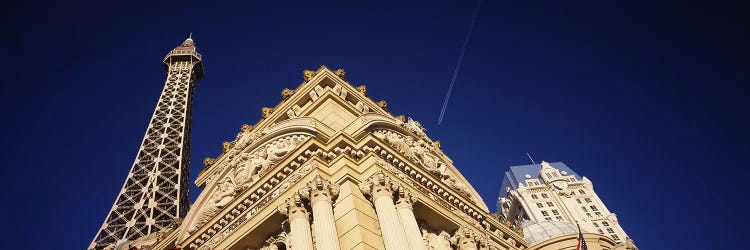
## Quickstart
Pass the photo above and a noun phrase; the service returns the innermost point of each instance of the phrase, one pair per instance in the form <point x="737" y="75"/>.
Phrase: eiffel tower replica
<point x="155" y="193"/>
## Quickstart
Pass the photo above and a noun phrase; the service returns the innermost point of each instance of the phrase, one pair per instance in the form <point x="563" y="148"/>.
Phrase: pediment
<point x="319" y="88"/>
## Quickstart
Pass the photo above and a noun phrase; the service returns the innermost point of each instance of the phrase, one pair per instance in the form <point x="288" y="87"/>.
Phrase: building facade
<point x="330" y="168"/>
<point x="554" y="192"/>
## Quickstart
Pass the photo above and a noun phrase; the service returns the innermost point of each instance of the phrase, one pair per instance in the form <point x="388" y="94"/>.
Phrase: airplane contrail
<point x="460" y="61"/>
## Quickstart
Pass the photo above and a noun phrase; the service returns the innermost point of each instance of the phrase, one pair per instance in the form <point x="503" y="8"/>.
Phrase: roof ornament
<point x="189" y="41"/>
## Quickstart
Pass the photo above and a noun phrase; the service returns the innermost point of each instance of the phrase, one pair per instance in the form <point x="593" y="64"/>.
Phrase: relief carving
<point x="219" y="199"/>
<point x="248" y="168"/>
<point x="251" y="166"/>
<point x="420" y="152"/>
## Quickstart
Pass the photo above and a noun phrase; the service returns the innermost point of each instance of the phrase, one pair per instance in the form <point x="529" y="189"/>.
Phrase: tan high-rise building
<point x="552" y="195"/>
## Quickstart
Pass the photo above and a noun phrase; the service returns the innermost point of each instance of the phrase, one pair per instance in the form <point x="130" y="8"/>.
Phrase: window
<point x="547" y="218"/>
<point x="558" y="218"/>
<point x="533" y="196"/>
<point x="554" y="174"/>
<point x="545" y="196"/>
<point x="545" y="213"/>
<point x="549" y="176"/>
<point x="598" y="213"/>
<point x="609" y="230"/>
<point x="595" y="224"/>
<point x="584" y="209"/>
<point x="588" y="214"/>
<point x="581" y="191"/>
<point x="554" y="211"/>
<point x="588" y="200"/>
<point x="549" y="204"/>
<point x="593" y="208"/>
<point x="606" y="224"/>
<point x="539" y="205"/>
<point x="579" y="201"/>
<point x="614" y="236"/>
<point x="600" y="231"/>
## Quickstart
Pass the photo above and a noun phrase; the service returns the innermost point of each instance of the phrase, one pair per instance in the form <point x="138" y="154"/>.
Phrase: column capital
<point x="406" y="198"/>
<point x="378" y="185"/>
<point x="294" y="207"/>
<point x="465" y="238"/>
<point x="320" y="189"/>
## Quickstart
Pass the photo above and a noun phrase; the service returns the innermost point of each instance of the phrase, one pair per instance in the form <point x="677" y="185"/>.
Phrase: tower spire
<point x="154" y="195"/>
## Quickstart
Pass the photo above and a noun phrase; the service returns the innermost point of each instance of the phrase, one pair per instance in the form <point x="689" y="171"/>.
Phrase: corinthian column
<point x="321" y="194"/>
<point x="299" y="222"/>
<point x="380" y="188"/>
<point x="405" y="212"/>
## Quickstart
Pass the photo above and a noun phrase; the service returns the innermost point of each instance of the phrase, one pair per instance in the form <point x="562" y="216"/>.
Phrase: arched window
<point x="533" y="196"/>
<point x="545" y="196"/>
<point x="581" y="191"/>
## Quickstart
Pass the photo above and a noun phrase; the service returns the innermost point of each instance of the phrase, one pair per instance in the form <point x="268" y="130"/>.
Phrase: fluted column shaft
<point x="321" y="194"/>
<point x="390" y="224"/>
<point x="299" y="223"/>
<point x="408" y="221"/>
<point x="325" y="226"/>
<point x="381" y="189"/>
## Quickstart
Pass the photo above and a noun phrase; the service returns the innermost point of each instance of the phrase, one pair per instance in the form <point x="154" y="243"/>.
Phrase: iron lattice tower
<point x="155" y="193"/>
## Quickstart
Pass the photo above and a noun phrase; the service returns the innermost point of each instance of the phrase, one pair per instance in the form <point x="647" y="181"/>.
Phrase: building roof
<point x="534" y="233"/>
<point x="517" y="174"/>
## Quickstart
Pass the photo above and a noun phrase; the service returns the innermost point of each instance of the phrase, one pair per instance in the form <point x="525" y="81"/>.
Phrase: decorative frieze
<point x="420" y="152"/>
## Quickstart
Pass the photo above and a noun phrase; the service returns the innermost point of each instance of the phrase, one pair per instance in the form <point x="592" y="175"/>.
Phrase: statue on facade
<point x="400" y="143"/>
<point x="423" y="154"/>
<point x="307" y="75"/>
<point x="221" y="197"/>
<point x="244" y="137"/>
<point x="251" y="164"/>
<point x="416" y="128"/>
<point x="362" y="89"/>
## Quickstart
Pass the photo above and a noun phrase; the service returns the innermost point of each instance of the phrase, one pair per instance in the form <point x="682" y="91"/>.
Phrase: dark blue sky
<point x="648" y="100"/>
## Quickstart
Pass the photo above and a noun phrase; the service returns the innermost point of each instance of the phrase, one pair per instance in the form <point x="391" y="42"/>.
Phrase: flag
<point x="581" y="241"/>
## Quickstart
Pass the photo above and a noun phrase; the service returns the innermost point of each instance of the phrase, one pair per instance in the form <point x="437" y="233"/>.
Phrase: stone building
<point x="553" y="192"/>
<point x="330" y="168"/>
